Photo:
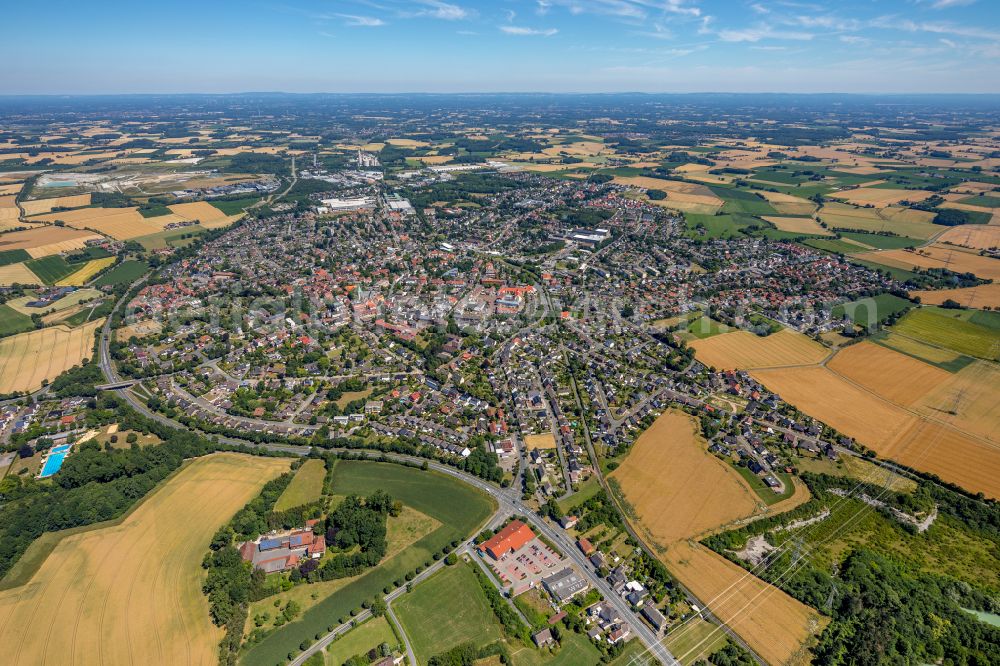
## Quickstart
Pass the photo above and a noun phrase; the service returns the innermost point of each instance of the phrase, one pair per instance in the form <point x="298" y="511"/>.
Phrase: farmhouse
<point x="510" y="538"/>
<point x="280" y="551"/>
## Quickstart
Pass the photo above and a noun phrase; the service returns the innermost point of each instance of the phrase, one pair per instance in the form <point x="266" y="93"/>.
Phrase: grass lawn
<point x="12" y="321"/>
<point x="360" y="640"/>
<point x="350" y="396"/>
<point x="575" y="649"/>
<point x="695" y="640"/>
<point x="125" y="272"/>
<point x="870" y="310"/>
<point x="634" y="654"/>
<point x="459" y="508"/>
<point x="307" y="486"/>
<point x="951" y="329"/>
<point x="763" y="490"/>
<point x="446" y="610"/>
<point x="534" y="607"/>
<point x="584" y="492"/>
<point x="706" y="327"/>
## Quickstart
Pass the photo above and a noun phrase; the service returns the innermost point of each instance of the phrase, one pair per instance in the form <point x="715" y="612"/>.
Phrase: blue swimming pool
<point x="54" y="461"/>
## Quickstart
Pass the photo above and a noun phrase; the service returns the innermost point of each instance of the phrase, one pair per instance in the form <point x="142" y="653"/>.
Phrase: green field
<point x="952" y="329"/>
<point x="719" y="226"/>
<point x="123" y="273"/>
<point x="460" y="509"/>
<point x="986" y="201"/>
<point x="236" y="206"/>
<point x="13" y="257"/>
<point x="446" y="610"/>
<point x="155" y="211"/>
<point x="706" y="327"/>
<point x="833" y="245"/>
<point x="12" y="321"/>
<point x="359" y="640"/>
<point x="51" y="269"/>
<point x="575" y="649"/>
<point x="307" y="486"/>
<point x="867" y="311"/>
<point x="882" y="242"/>
<point x="946" y="360"/>
<point x="742" y="201"/>
<point x="697" y="639"/>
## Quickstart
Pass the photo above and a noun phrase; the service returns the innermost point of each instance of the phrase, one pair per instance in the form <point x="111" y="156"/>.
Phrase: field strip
<point x="920" y="415"/>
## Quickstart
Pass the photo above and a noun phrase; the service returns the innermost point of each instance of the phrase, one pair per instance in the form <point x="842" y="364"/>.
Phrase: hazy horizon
<point x="394" y="46"/>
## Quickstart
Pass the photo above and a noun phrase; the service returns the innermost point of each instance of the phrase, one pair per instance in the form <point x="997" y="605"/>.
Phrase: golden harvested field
<point x="408" y="143"/>
<point x="84" y="275"/>
<point x="131" y="593"/>
<point x="28" y="358"/>
<point x="444" y="159"/>
<point x="880" y="197"/>
<point x="11" y="188"/>
<point x="544" y="441"/>
<point x="979" y="236"/>
<point x="42" y="238"/>
<point x="938" y="256"/>
<point x="208" y="215"/>
<point x="799" y="225"/>
<point x="676" y="487"/>
<point x="956" y="447"/>
<point x="9" y="212"/>
<point x="829" y="397"/>
<point x="980" y="296"/>
<point x="903" y="221"/>
<point x="679" y="491"/>
<point x="879" y="370"/>
<point x="119" y="223"/>
<point x="742" y="350"/>
<point x="773" y="624"/>
<point x="39" y="206"/>
<point x="17" y="274"/>
<point x="690" y="197"/>
<point x="952" y="455"/>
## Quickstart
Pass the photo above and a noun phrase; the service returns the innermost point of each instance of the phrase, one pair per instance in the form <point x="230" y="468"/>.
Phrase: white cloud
<point x="520" y="30"/>
<point x="945" y="4"/>
<point x="443" y="10"/>
<point x="759" y="32"/>
<point x="354" y="20"/>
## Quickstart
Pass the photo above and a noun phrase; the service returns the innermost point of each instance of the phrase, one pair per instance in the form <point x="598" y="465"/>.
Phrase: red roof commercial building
<point x="509" y="539"/>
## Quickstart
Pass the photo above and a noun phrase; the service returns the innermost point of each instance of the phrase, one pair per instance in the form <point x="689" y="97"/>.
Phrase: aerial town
<point x="500" y="388"/>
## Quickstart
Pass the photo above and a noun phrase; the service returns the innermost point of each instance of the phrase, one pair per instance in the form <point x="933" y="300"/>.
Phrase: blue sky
<point x="505" y="45"/>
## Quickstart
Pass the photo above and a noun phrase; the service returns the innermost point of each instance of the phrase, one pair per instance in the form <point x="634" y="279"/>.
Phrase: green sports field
<point x="446" y="610"/>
